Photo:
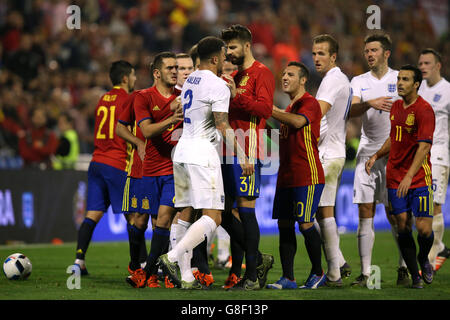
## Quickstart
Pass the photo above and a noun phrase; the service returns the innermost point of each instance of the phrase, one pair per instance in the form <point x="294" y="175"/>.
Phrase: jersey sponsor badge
<point x="244" y="80"/>
<point x="391" y="87"/>
<point x="437" y="97"/>
<point x="410" y="119"/>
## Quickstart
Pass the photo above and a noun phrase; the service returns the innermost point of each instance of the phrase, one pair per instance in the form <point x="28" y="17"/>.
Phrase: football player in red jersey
<point x="252" y="89"/>
<point x="157" y="121"/>
<point x="408" y="172"/>
<point x="300" y="178"/>
<point x="106" y="174"/>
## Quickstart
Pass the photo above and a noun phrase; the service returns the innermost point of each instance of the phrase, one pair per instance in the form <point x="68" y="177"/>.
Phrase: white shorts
<point x="198" y="186"/>
<point x="439" y="174"/>
<point x="332" y="169"/>
<point x="370" y="189"/>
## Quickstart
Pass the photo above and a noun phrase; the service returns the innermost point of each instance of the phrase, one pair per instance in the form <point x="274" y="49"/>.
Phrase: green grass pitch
<point x="107" y="264"/>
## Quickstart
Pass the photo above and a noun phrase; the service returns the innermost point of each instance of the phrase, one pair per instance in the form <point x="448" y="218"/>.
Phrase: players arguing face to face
<point x="164" y="69"/>
<point x="238" y="39"/>
<point x="430" y="64"/>
<point x="408" y="81"/>
<point x="324" y="52"/>
<point x="185" y="68"/>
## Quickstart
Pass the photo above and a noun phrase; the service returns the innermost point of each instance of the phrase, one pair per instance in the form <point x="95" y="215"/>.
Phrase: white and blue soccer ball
<point x="17" y="266"/>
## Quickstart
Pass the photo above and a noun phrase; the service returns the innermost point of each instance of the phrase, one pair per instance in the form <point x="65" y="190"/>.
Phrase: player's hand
<point x="370" y="163"/>
<point x="38" y="144"/>
<point x="276" y="109"/>
<point x="175" y="104"/>
<point x="247" y="168"/>
<point x="403" y="187"/>
<point x="381" y="103"/>
<point x="141" y="150"/>
<point x="177" y="116"/>
<point x="230" y="84"/>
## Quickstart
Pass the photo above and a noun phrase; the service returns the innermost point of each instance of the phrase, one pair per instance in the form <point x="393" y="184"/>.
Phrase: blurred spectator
<point x="68" y="148"/>
<point x="39" y="143"/>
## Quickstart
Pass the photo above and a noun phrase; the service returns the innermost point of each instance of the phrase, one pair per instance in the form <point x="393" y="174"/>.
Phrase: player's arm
<point x="324" y="107"/>
<point x="222" y="124"/>
<point x="358" y="108"/>
<point x="262" y="106"/>
<point x="124" y="132"/>
<point x="152" y="129"/>
<point x="291" y="119"/>
<point x="384" y="151"/>
<point x="419" y="157"/>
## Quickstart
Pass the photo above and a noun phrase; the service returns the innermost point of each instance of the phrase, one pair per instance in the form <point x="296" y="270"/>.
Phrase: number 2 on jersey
<point x="187" y="94"/>
<point x="104" y="111"/>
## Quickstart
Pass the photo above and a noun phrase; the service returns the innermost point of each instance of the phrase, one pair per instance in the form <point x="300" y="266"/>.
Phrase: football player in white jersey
<point x="436" y="91"/>
<point x="197" y="166"/>
<point x="334" y="96"/>
<point x="373" y="95"/>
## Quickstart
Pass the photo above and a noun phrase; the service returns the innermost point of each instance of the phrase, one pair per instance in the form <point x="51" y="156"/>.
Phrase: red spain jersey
<point x="409" y="127"/>
<point x="109" y="148"/>
<point x="251" y="106"/>
<point x="299" y="154"/>
<point x="127" y="118"/>
<point x="150" y="104"/>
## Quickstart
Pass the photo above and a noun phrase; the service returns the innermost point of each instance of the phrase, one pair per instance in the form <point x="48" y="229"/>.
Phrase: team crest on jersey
<point x="391" y="87"/>
<point x="244" y="80"/>
<point x="156" y="108"/>
<point x="134" y="202"/>
<point x="437" y="97"/>
<point x="410" y="119"/>
<point x="145" y="204"/>
<point x="392" y="117"/>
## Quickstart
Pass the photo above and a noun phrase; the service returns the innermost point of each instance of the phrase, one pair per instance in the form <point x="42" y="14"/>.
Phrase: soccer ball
<point x="17" y="266"/>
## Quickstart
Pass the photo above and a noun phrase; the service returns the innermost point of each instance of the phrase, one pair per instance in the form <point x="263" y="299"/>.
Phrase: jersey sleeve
<point x="356" y="87"/>
<point x="310" y="109"/>
<point x="263" y="105"/>
<point x="126" y="116"/>
<point x="425" y="124"/>
<point x="141" y="108"/>
<point x="221" y="98"/>
<point x="328" y="90"/>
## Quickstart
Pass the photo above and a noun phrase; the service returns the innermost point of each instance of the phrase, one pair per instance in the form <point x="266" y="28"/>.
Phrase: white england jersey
<point x="203" y="93"/>
<point x="375" y="123"/>
<point x="438" y="96"/>
<point x="334" y="89"/>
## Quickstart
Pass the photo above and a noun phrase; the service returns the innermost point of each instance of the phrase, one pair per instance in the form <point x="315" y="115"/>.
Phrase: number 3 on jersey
<point x="187" y="95"/>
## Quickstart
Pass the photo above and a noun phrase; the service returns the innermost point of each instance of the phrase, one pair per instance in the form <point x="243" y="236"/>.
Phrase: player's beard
<point x="238" y="61"/>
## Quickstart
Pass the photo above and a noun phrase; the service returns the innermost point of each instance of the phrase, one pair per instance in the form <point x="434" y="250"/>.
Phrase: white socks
<point x="330" y="238"/>
<point x="223" y="244"/>
<point x="366" y="238"/>
<point x="438" y="229"/>
<point x="203" y="227"/>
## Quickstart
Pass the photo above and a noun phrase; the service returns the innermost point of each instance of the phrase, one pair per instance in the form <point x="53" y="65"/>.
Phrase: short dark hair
<point x="332" y="42"/>
<point x="193" y="52"/>
<point x="118" y="70"/>
<point x="304" y="72"/>
<point x="209" y="46"/>
<point x="237" y="32"/>
<point x="382" y="38"/>
<point x="436" y="54"/>
<point x="183" y="56"/>
<point x="417" y="73"/>
<point x="158" y="61"/>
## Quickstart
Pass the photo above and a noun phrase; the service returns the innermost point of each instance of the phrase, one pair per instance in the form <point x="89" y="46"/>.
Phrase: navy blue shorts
<point x="132" y="196"/>
<point x="236" y="185"/>
<point x="157" y="191"/>
<point x="105" y="187"/>
<point x="297" y="203"/>
<point x="419" y="201"/>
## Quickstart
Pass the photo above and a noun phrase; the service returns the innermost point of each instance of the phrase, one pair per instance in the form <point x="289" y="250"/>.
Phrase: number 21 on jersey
<point x="106" y="113"/>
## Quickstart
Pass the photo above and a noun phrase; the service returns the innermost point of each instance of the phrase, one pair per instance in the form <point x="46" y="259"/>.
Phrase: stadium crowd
<point x="46" y="66"/>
